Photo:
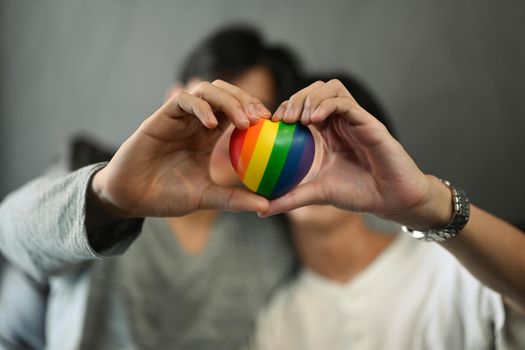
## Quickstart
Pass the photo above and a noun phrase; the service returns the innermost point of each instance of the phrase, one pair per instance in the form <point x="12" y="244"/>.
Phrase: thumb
<point x="305" y="194"/>
<point x="232" y="199"/>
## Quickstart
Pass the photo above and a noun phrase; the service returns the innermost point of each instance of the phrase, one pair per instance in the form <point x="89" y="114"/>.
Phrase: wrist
<point x="434" y="210"/>
<point x="99" y="210"/>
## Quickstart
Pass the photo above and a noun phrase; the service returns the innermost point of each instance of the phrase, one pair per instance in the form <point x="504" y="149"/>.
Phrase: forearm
<point x="42" y="225"/>
<point x="109" y="230"/>
<point x="99" y="212"/>
<point x="492" y="250"/>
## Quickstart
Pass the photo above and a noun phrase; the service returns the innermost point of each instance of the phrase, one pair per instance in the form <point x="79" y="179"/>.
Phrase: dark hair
<point x="362" y="95"/>
<point x="233" y="50"/>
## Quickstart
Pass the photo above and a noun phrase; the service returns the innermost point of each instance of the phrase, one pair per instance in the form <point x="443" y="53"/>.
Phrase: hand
<point x="361" y="167"/>
<point x="163" y="169"/>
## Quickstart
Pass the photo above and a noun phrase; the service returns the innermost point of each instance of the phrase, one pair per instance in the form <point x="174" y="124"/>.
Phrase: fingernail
<point x="262" y="110"/>
<point x="278" y="114"/>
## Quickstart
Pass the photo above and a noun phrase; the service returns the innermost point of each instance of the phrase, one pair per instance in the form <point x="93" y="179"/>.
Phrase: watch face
<point x="417" y="234"/>
<point x="429" y="236"/>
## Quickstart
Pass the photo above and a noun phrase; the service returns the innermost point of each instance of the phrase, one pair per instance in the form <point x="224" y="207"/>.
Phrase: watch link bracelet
<point x="460" y="216"/>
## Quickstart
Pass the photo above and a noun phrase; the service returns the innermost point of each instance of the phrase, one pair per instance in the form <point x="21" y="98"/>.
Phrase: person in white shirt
<point x="360" y="288"/>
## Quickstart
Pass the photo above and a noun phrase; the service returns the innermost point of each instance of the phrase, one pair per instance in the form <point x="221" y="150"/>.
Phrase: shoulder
<point x="438" y="267"/>
<point x="453" y="296"/>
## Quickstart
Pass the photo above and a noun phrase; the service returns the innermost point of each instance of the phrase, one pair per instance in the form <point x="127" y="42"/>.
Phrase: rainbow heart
<point x="270" y="157"/>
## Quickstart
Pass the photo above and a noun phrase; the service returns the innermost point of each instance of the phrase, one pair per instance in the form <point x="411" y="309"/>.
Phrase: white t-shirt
<point x="414" y="295"/>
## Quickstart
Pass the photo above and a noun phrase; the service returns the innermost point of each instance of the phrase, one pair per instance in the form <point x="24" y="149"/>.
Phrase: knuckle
<point x="179" y="94"/>
<point x="292" y="100"/>
<point x="308" y="101"/>
<point x="338" y="84"/>
<point x="244" y="97"/>
<point x="234" y="106"/>
<point x="203" y="86"/>
<point x="254" y="100"/>
<point x="236" y="103"/>
<point x="311" y="100"/>
<point x="349" y="99"/>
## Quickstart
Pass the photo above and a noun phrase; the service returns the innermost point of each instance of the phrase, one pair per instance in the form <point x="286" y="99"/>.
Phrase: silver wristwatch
<point x="460" y="216"/>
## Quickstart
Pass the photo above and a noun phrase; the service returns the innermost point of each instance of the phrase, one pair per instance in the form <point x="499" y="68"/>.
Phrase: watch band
<point x="460" y="216"/>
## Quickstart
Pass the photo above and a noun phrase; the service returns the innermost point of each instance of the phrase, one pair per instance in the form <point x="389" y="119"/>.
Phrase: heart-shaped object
<point x="270" y="157"/>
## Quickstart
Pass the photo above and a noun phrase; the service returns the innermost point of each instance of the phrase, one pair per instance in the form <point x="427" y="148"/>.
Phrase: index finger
<point x="223" y="101"/>
<point x="252" y="105"/>
<point x="183" y="104"/>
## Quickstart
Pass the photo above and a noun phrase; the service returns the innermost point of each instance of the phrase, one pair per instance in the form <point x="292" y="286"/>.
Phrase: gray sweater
<point x="153" y="296"/>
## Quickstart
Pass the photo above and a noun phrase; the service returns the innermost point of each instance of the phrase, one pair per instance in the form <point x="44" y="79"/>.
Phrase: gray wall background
<point x="450" y="73"/>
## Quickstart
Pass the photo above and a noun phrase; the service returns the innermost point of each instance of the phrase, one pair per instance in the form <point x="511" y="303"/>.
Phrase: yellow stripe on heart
<point x="260" y="156"/>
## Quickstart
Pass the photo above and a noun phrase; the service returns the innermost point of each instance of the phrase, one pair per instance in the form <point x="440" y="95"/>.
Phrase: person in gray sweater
<point x="191" y="280"/>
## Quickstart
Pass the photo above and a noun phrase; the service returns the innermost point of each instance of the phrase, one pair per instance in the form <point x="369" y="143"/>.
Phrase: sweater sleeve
<point x="42" y="225"/>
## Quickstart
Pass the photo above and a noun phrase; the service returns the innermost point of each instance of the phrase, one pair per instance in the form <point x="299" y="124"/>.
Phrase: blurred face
<point x="259" y="83"/>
